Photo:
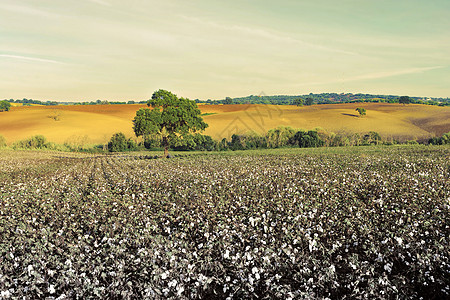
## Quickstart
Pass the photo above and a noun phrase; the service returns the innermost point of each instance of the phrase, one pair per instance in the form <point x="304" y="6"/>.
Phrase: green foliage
<point x="372" y="138"/>
<point x="307" y="139"/>
<point x="298" y="102"/>
<point x="195" y="141"/>
<point x="119" y="143"/>
<point x="404" y="100"/>
<point x="2" y="141"/>
<point x="247" y="141"/>
<point x="35" y="142"/>
<point x="279" y="137"/>
<point x="228" y="100"/>
<point x="443" y="140"/>
<point x="309" y="101"/>
<point x="361" y="111"/>
<point x="5" y="106"/>
<point x="169" y="116"/>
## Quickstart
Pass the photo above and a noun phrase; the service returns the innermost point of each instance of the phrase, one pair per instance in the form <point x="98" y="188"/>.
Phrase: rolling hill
<point x="95" y="124"/>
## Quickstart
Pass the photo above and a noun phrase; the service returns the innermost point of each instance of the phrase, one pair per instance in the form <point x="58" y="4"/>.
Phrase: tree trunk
<point x="166" y="146"/>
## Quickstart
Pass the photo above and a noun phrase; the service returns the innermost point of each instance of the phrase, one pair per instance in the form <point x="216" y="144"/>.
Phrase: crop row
<point x="322" y="225"/>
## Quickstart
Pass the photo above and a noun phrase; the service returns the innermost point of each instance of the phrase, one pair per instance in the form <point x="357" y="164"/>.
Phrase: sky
<point x="83" y="50"/>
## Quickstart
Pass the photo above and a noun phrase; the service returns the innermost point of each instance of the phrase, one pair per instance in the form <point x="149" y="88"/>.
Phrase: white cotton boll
<point x="164" y="275"/>
<point x="51" y="289"/>
<point x="226" y="254"/>
<point x="173" y="283"/>
<point x="388" y="267"/>
<point x="5" y="294"/>
<point x="332" y="269"/>
<point x="180" y="290"/>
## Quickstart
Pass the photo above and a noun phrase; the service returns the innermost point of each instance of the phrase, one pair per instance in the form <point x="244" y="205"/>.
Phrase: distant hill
<point x="95" y="124"/>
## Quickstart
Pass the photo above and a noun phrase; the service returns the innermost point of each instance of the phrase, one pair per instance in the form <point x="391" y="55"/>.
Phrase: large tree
<point x="170" y="116"/>
<point x="4" y="105"/>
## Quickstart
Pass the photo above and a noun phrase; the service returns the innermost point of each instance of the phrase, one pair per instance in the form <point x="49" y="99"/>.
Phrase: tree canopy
<point x="4" y="105"/>
<point x="170" y="116"/>
<point x="404" y="100"/>
<point x="362" y="111"/>
<point x="309" y="101"/>
<point x="228" y="100"/>
<point x="299" y="102"/>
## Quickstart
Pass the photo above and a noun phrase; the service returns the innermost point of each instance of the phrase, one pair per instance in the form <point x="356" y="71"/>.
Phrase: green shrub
<point x="2" y="141"/>
<point x="443" y="140"/>
<point x="372" y="138"/>
<point x="279" y="137"/>
<point x="119" y="143"/>
<point x="34" y="142"/>
<point x="307" y="139"/>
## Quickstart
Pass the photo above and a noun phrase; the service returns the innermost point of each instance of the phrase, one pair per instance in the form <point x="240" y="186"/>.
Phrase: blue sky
<point x="125" y="50"/>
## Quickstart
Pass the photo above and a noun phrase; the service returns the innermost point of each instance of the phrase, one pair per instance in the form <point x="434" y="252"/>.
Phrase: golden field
<point x="95" y="124"/>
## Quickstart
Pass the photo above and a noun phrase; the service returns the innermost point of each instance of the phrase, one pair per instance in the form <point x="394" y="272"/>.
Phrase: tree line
<point x="308" y="99"/>
<point x="280" y="137"/>
<point x="327" y="98"/>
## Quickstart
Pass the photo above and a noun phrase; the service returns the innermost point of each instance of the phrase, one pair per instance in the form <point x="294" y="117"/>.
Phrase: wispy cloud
<point x="377" y="75"/>
<point x="35" y="59"/>
<point x="393" y="73"/>
<point x="266" y="34"/>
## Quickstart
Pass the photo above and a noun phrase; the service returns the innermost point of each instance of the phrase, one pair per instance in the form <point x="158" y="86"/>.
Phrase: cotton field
<point x="298" y="225"/>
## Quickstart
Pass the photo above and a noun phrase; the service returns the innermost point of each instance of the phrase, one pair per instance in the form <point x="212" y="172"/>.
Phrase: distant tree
<point x="362" y="111"/>
<point x="228" y="100"/>
<point x="169" y="117"/>
<point x="299" y="102"/>
<point x="309" y="101"/>
<point x="131" y="102"/>
<point x="5" y="106"/>
<point x="404" y="100"/>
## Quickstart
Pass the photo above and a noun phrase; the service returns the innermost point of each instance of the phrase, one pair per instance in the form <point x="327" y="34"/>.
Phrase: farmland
<point x="277" y="224"/>
<point x="95" y="124"/>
